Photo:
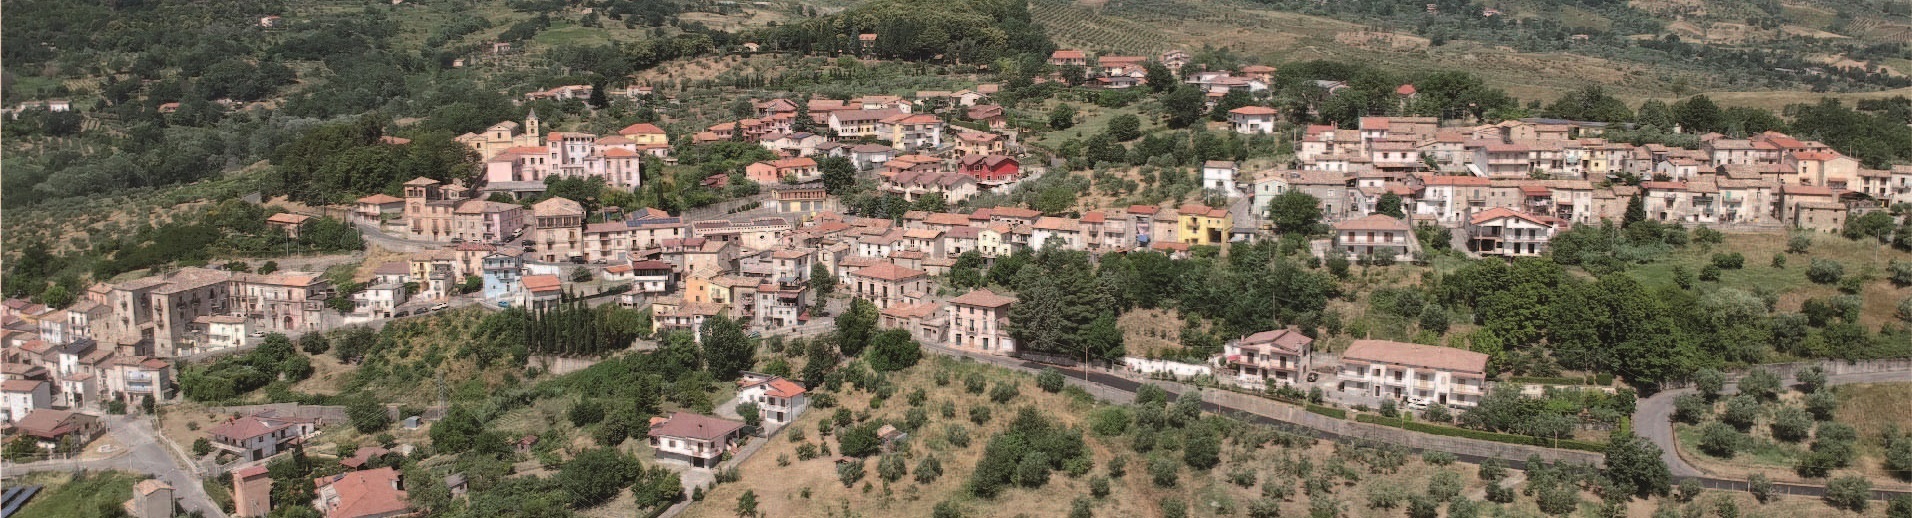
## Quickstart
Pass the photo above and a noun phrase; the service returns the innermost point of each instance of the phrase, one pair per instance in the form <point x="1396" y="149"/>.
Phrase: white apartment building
<point x="1442" y="375"/>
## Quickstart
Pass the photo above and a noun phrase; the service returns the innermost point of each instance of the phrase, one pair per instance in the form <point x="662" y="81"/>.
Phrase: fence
<point x="1832" y="368"/>
<point x="1177" y="369"/>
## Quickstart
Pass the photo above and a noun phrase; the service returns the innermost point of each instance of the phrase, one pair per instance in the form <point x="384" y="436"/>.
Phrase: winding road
<point x="145" y="454"/>
<point x="1653" y="420"/>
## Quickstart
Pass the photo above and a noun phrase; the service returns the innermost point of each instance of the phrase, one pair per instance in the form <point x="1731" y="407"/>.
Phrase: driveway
<point x="145" y="454"/>
<point x="1653" y="417"/>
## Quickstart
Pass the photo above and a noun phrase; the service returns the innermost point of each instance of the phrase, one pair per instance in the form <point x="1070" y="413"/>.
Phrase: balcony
<point x="1461" y="388"/>
<point x="1423" y="385"/>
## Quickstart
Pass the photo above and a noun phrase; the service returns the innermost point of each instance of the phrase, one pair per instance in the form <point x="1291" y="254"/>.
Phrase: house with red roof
<point x="261" y="435"/>
<point x="700" y="440"/>
<point x="1252" y="119"/>
<point x="1068" y="57"/>
<point x="373" y="493"/>
<point x="1506" y="232"/>
<point x="991" y="169"/>
<point x="778" y="400"/>
<point x="1278" y="356"/>
<point x="978" y="321"/>
<point x="1440" y="375"/>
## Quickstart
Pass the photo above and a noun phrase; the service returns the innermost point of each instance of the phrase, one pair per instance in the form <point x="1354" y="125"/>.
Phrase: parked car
<point x="440" y="306"/>
<point x="1415" y="403"/>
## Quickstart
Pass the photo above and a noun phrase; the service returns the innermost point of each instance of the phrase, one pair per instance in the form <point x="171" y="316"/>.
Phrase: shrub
<point x="1825" y="271"/>
<point x="1740" y="411"/>
<point x="1811" y="379"/>
<point x="979" y="415"/>
<point x="1109" y="421"/>
<point x="1492" y="470"/>
<point x="1720" y="440"/>
<point x="1762" y="384"/>
<point x="975" y="383"/>
<point x="1050" y="381"/>
<point x="201" y="447"/>
<point x="1901" y="507"/>
<point x="1501" y="494"/>
<point x="850" y="472"/>
<point x="1779" y="261"/>
<point x="890" y="468"/>
<point x="1849" y="492"/>
<point x="1709" y="381"/>
<point x="1080" y="508"/>
<point x="956" y="435"/>
<point x="1688" y="489"/>
<point x="1730" y="261"/>
<point x="1389" y="409"/>
<point x="1174" y="507"/>
<point x="1386" y="496"/>
<point x="1437" y="414"/>
<point x="1791" y="424"/>
<point x="1799" y="243"/>
<point x="1690" y="408"/>
<point x="1822" y="405"/>
<point x="1003" y="392"/>
<point x="1760" y="486"/>
<point x="1099" y="487"/>
<point x="928" y="470"/>
<point x="1164" y="472"/>
<point x="1444" y="486"/>
<point x="1438" y="458"/>
<point x="1203" y="449"/>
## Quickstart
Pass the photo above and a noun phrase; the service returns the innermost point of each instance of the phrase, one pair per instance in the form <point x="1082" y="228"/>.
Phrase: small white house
<point x="778" y="400"/>
<point x="20" y="397"/>
<point x="1252" y="119"/>
<point x="1219" y="176"/>
<point x="380" y="300"/>
<point x="224" y="331"/>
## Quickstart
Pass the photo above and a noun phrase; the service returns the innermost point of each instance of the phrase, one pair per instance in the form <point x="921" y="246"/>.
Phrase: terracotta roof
<point x="1503" y="212"/>
<point x="1288" y="340"/>
<point x="779" y="387"/>
<point x="288" y="218"/>
<point x="380" y="199"/>
<point x="693" y="426"/>
<point x="1372" y="222"/>
<point x="1067" y="54"/>
<point x="20" y="385"/>
<point x="537" y="283"/>
<point x="1416" y="355"/>
<point x="1253" y="110"/>
<point x="371" y="492"/>
<point x="983" y="298"/>
<point x="888" y="272"/>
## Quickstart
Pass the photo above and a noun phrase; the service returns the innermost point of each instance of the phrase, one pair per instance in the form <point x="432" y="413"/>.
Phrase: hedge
<point x="1602" y="379"/>
<point x="1330" y="412"/>
<point x="1450" y="431"/>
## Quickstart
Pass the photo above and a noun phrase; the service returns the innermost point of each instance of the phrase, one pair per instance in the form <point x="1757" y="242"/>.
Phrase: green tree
<point x="367" y="414"/>
<point x="1294" y="211"/>
<point x="727" y="351"/>
<point x="855" y="327"/>
<point x="1390" y="205"/>
<point x="1125" y="127"/>
<point x="1062" y="117"/>
<point x="1634" y="466"/>
<point x="1720" y="440"/>
<point x="596" y="475"/>
<point x="1158" y="76"/>
<point x="1698" y="114"/>
<point x="838" y="174"/>
<point x="893" y="350"/>
<point x="1851" y="493"/>
<point x="821" y="282"/>
<point x="747" y="504"/>
<point x="1184" y="105"/>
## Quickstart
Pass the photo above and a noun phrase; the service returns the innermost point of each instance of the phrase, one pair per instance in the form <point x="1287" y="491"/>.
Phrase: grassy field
<point x="78" y="496"/>
<point x="1868" y="408"/>
<point x="786" y="486"/>
<point x="1863" y="257"/>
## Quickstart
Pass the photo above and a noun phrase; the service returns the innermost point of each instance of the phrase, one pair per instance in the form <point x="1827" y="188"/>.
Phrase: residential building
<point x="978" y="322"/>
<point x="1509" y="233"/>
<point x="1253" y="119"/>
<point x="558" y="230"/>
<point x="778" y="400"/>
<point x="1441" y="375"/>
<point x="1375" y="235"/>
<point x="49" y="427"/>
<point x="1219" y="176"/>
<point x="251" y="492"/>
<point x="540" y="292"/>
<point x="151" y="499"/>
<point x="501" y="273"/>
<point x="372" y="493"/>
<point x="19" y="397"/>
<point x="801" y="169"/>
<point x="261" y="435"/>
<point x="886" y="284"/>
<point x="699" y="440"/>
<point x="222" y="331"/>
<point x="1203" y="225"/>
<point x="1279" y="356"/>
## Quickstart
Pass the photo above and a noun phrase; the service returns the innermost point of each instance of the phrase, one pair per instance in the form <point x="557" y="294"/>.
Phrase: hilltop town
<point x="894" y="260"/>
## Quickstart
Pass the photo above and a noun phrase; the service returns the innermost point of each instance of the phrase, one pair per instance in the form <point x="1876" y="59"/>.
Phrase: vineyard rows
<point x="1075" y="26"/>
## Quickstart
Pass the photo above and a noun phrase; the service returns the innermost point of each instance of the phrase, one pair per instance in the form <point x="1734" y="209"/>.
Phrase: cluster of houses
<point x="1372" y="368"/>
<point x="114" y="344"/>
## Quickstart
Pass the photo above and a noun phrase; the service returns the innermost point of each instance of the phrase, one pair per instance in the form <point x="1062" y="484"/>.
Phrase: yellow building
<point x="1203" y="225"/>
<point x="505" y="135"/>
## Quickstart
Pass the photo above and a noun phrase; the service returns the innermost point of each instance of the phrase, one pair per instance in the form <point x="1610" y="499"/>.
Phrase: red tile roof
<point x="365" y="493"/>
<point x="1416" y="355"/>
<point x="983" y="298"/>
<point x="693" y="426"/>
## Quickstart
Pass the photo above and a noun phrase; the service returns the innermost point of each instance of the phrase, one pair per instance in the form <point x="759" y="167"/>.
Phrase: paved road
<point x="145" y="454"/>
<point x="1653" y="417"/>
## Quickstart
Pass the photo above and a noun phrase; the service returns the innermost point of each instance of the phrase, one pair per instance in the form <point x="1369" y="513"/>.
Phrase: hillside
<point x="1142" y="460"/>
<point x="1533" y="49"/>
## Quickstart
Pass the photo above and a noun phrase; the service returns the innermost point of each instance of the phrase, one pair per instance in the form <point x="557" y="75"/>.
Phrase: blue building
<point x="502" y="272"/>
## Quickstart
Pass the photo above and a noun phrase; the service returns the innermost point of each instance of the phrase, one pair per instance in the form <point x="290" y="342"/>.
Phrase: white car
<point x="440" y="306"/>
<point x="258" y="334"/>
<point x="1417" y="403"/>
